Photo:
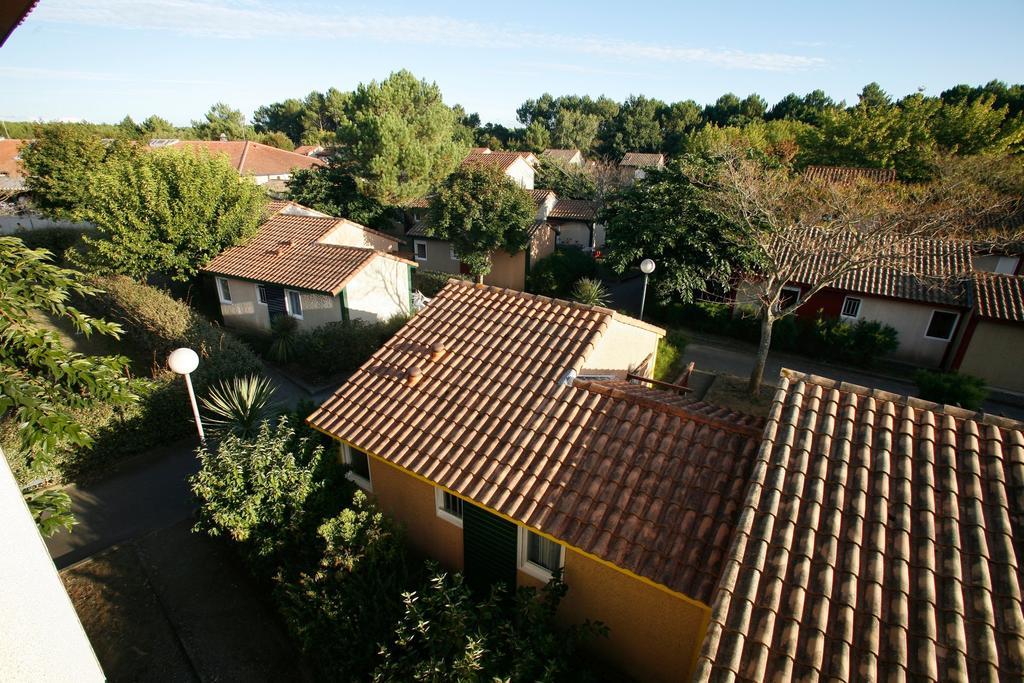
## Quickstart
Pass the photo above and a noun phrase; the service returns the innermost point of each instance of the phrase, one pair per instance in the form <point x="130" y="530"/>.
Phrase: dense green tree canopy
<point x="689" y="240"/>
<point x="219" y="120"/>
<point x="566" y="180"/>
<point x="399" y="137"/>
<point x="283" y="117"/>
<point x="333" y="190"/>
<point x="42" y="382"/>
<point x="166" y="213"/>
<point x="480" y="210"/>
<point x="61" y="164"/>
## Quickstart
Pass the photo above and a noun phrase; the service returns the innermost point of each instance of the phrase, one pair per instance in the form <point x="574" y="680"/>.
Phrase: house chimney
<point x="413" y="376"/>
<point x="437" y="352"/>
<point x="223" y="137"/>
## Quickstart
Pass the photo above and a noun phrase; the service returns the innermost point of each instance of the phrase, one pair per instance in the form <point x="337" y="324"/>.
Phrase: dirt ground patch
<point x="178" y="606"/>
<point x="730" y="391"/>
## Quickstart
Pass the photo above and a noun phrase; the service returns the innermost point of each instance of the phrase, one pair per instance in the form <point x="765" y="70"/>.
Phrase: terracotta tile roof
<point x="642" y="159"/>
<point x="575" y="209"/>
<point x="640" y="478"/>
<point x="502" y="160"/>
<point x="286" y="251"/>
<point x="308" y="150"/>
<point x="10" y="163"/>
<point x="934" y="272"/>
<point x="565" y="155"/>
<point x="881" y="539"/>
<point x="846" y="175"/>
<point x="255" y="158"/>
<point x="999" y="297"/>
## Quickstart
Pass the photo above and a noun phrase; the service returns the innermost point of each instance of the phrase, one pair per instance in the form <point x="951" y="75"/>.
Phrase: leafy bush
<point x="343" y="346"/>
<point x="255" y="491"/>
<point x="446" y="635"/>
<point x="952" y="388"/>
<point x="669" y="363"/>
<point x="430" y="282"/>
<point x="347" y="604"/>
<point x="556" y="274"/>
<point x="825" y="338"/>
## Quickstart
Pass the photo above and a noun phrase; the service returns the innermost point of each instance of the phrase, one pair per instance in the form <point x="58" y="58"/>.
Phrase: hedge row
<point x="154" y="324"/>
<point x="823" y="338"/>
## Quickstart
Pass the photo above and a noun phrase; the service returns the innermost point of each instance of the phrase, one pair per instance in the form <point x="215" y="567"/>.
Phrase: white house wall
<point x="911" y="322"/>
<point x="41" y="638"/>
<point x="521" y="172"/>
<point x="349" y="234"/>
<point x="380" y="291"/>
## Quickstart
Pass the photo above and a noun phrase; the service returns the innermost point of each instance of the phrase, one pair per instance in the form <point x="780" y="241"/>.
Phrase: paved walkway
<point x="732" y="357"/>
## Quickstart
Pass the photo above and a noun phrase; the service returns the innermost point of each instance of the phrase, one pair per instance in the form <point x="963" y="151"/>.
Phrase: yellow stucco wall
<point x="989" y="352"/>
<point x="244" y="311"/>
<point x="507" y="270"/>
<point x="654" y="635"/>
<point x="412" y="502"/>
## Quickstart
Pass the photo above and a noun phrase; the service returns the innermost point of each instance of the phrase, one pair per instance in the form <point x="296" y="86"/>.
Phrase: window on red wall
<point x="788" y="297"/>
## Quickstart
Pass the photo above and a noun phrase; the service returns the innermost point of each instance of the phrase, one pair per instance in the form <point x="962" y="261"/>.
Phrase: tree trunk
<point x="767" y="322"/>
<point x="480" y="278"/>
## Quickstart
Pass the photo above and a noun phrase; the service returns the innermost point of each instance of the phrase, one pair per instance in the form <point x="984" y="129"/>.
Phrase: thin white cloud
<point x="252" y="19"/>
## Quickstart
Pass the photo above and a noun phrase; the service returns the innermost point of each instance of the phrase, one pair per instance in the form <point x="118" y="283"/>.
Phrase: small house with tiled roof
<point x="880" y="539"/>
<point x="576" y="222"/>
<point x="848" y="175"/>
<point x="993" y="337"/>
<point x="499" y="427"/>
<point x="925" y="299"/>
<point x="12" y="173"/>
<point x="572" y="157"/>
<point x="519" y="166"/>
<point x="313" y="267"/>
<point x="634" y="165"/>
<point x="262" y="162"/>
<point x="507" y="270"/>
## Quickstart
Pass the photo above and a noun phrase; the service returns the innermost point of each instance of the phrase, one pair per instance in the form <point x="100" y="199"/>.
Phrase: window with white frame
<point x="294" y="300"/>
<point x="941" y="325"/>
<point x="419" y="248"/>
<point x="359" y="466"/>
<point x="451" y="253"/>
<point x="223" y="290"/>
<point x="538" y="556"/>
<point x="788" y="297"/>
<point x="449" y="506"/>
<point x="851" y="307"/>
<point x="261" y="294"/>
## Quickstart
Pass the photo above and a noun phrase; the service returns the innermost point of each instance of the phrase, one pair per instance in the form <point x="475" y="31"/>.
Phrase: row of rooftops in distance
<point x="854" y="534"/>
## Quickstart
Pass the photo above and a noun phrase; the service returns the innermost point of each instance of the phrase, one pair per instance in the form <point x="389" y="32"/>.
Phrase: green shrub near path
<point x="951" y="388"/>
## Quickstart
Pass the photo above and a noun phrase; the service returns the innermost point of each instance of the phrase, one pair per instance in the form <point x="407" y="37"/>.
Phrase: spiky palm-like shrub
<point x="590" y="292"/>
<point x="239" y="406"/>
<point x="284" y="338"/>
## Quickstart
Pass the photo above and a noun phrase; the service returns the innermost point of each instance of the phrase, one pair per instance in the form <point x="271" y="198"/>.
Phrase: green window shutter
<point x="344" y="306"/>
<point x="489" y="548"/>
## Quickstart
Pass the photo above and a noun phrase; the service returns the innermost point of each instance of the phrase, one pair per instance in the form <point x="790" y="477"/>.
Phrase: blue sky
<point x="99" y="60"/>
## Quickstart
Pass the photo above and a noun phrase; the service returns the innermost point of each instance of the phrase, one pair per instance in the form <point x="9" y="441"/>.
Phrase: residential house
<point x="572" y="157"/>
<point x="880" y="540"/>
<point x="576" y="223"/>
<point x="499" y="428"/>
<point x="12" y="174"/>
<point x="507" y="270"/>
<point x="925" y="300"/>
<point x="262" y="162"/>
<point x="318" y="151"/>
<point x="854" y="535"/>
<point x="993" y="337"/>
<point x="847" y="175"/>
<point x="519" y="166"/>
<point x="313" y="267"/>
<point x="633" y="165"/>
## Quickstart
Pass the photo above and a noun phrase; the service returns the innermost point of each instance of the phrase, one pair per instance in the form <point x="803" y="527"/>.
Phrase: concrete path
<point x="732" y="357"/>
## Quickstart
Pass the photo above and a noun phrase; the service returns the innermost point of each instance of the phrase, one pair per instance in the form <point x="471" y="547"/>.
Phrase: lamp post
<point x="184" y="361"/>
<point x="646" y="267"/>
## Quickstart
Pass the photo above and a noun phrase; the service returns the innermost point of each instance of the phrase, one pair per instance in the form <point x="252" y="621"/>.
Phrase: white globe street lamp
<point x="646" y="267"/>
<point x="184" y="361"/>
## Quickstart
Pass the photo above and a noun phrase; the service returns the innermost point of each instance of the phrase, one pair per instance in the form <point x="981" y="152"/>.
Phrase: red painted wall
<point x="828" y="301"/>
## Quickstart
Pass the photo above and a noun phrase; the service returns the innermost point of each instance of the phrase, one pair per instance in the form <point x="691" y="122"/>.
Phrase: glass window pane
<point x="359" y="463"/>
<point x="941" y="325"/>
<point x="452" y="505"/>
<point x="262" y="291"/>
<point x="851" y="307"/>
<point x="543" y="552"/>
<point x="295" y="300"/>
<point x="225" y="290"/>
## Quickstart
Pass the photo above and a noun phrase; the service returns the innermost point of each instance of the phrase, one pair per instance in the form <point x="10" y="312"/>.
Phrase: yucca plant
<point x="284" y="333"/>
<point x="239" y="406"/>
<point x="590" y="292"/>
